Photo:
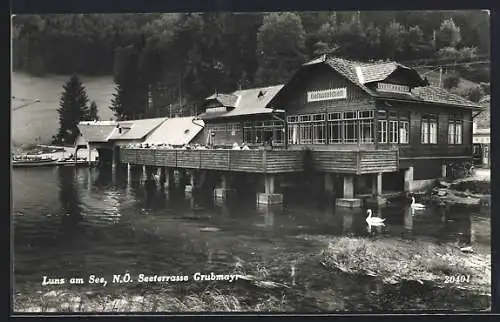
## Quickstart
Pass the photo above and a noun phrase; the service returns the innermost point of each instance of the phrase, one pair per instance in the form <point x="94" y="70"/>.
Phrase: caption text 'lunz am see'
<point x="141" y="278"/>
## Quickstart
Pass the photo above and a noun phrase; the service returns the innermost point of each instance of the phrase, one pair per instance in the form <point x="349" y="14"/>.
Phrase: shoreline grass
<point x="214" y="300"/>
<point x="401" y="261"/>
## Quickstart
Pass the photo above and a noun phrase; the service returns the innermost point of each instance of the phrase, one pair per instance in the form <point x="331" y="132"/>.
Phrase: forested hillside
<point x="172" y="60"/>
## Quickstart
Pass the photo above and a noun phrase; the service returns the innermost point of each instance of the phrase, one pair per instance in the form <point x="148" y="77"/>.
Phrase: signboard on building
<point x="327" y="94"/>
<point x="392" y="88"/>
<point x="481" y="139"/>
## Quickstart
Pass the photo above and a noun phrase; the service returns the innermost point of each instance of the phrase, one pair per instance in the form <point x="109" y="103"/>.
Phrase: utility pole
<point x="440" y="76"/>
<point x="180" y="92"/>
<point x="150" y="101"/>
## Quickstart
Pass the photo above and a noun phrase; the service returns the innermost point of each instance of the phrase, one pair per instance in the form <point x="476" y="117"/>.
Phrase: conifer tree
<point x="73" y="107"/>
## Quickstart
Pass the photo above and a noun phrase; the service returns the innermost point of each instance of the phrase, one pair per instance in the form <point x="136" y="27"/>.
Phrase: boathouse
<point x="389" y="128"/>
<point x="94" y="135"/>
<point x="242" y="117"/>
<point x="109" y="137"/>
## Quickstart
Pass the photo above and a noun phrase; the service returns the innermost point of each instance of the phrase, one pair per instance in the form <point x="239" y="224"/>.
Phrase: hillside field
<point x="41" y="119"/>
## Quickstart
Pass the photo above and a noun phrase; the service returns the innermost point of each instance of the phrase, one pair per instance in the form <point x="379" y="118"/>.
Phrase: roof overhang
<point x="428" y="102"/>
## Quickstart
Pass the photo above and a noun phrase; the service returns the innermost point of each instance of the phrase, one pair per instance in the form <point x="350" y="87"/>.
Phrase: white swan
<point x="415" y="205"/>
<point x="374" y="221"/>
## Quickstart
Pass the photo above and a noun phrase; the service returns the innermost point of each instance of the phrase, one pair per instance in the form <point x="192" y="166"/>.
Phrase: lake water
<point x="77" y="222"/>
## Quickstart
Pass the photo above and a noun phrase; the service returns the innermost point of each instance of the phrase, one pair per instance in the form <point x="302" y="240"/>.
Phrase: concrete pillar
<point x="163" y="176"/>
<point x="349" y="187"/>
<point x="149" y="172"/>
<point x="269" y="184"/>
<point x="114" y="157"/>
<point x="377" y="189"/>
<point x="443" y="171"/>
<point x="329" y="185"/>
<point x="348" y="199"/>
<point x="377" y="184"/>
<point x="408" y="179"/>
<point x="193" y="181"/>
<point x="224" y="191"/>
<point x="269" y="197"/>
<point x="89" y="160"/>
<point x="144" y="173"/>
<point x="170" y="178"/>
<point x="90" y="178"/>
<point x="129" y="173"/>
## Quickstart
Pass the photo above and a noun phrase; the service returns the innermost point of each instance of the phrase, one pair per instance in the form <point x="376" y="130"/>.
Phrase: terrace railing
<point x="266" y="161"/>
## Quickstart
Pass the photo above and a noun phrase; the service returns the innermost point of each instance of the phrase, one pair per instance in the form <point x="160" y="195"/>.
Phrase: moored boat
<point x="72" y="162"/>
<point x="33" y="161"/>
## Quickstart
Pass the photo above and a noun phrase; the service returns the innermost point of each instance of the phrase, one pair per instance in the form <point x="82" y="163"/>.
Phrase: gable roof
<point x="96" y="131"/>
<point x="227" y="100"/>
<point x="176" y="131"/>
<point x="248" y="102"/>
<point x="362" y="74"/>
<point x="135" y="129"/>
<point x="434" y="94"/>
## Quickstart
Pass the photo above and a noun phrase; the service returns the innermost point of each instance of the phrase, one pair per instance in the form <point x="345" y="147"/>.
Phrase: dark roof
<point x="248" y="102"/>
<point x="434" y="94"/>
<point x="227" y="100"/>
<point x="363" y="73"/>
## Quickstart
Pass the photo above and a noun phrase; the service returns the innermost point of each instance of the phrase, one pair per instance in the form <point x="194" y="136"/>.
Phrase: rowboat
<point x="33" y="161"/>
<point x="71" y="162"/>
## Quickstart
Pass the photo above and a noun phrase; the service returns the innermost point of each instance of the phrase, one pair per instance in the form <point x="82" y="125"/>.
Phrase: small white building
<point x="481" y="140"/>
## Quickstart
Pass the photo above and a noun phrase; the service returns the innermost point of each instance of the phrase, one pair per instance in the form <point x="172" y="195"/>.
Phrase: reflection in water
<point x="347" y="219"/>
<point x="409" y="212"/>
<point x="68" y="196"/>
<point x="268" y="212"/>
<point x="143" y="229"/>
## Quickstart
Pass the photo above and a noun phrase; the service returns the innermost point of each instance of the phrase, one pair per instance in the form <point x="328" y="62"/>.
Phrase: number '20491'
<point x="457" y="279"/>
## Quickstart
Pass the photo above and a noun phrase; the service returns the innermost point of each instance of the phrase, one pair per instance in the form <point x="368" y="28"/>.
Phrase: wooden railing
<point x="267" y="161"/>
<point x="370" y="161"/>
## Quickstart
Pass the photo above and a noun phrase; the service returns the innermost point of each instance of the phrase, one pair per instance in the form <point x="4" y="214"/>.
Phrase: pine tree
<point x="130" y="99"/>
<point x="72" y="109"/>
<point x="92" y="116"/>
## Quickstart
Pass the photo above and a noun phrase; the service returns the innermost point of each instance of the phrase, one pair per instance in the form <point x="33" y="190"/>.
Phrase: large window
<point x="248" y="132"/>
<point x="393" y="127"/>
<point x="455" y="133"/>
<point x="260" y="132"/>
<point x="318" y="133"/>
<point x="350" y="128"/>
<point x="307" y="129"/>
<point x="305" y="134"/>
<point x="393" y="131"/>
<point x="382" y="126"/>
<point x="335" y="127"/>
<point x="339" y="127"/>
<point x="365" y="126"/>
<point x="404" y="128"/>
<point x="428" y="132"/>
